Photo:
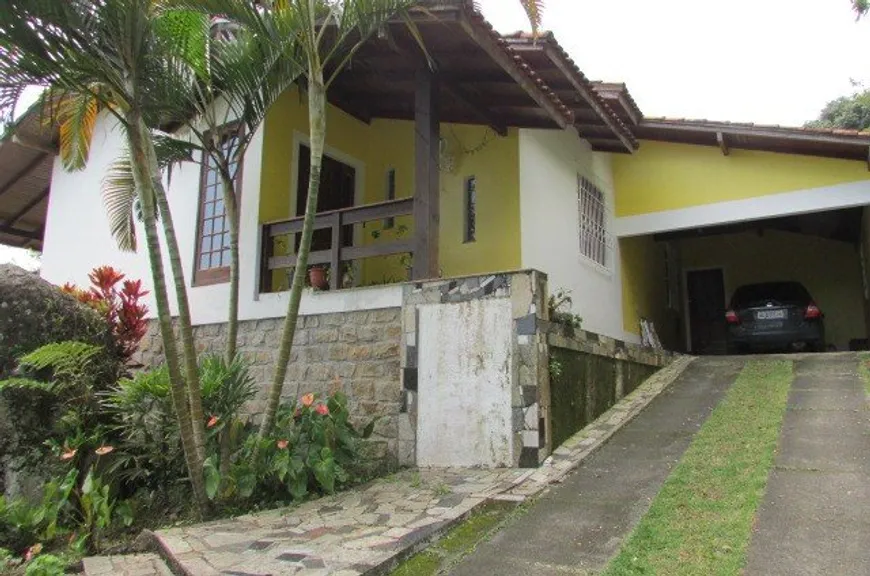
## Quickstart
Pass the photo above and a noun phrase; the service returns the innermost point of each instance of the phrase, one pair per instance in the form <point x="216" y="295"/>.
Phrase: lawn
<point x="701" y="520"/>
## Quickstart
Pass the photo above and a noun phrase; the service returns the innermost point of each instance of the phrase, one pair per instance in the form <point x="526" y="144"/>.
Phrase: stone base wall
<point x="353" y="352"/>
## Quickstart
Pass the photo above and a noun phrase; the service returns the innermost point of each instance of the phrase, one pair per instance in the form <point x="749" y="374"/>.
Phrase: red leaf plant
<point x="123" y="308"/>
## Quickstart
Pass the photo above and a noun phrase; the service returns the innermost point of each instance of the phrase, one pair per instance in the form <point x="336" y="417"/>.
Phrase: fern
<point x="26" y="384"/>
<point x="66" y="359"/>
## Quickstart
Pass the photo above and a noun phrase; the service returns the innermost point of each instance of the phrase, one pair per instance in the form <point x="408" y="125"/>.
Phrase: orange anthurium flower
<point x="103" y="450"/>
<point x="212" y="422"/>
<point x="308" y="400"/>
<point x="69" y="454"/>
<point x="322" y="409"/>
<point x="282" y="444"/>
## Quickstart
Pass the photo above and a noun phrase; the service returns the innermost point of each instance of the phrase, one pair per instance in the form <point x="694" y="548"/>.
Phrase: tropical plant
<point x="122" y="308"/>
<point x="126" y="57"/>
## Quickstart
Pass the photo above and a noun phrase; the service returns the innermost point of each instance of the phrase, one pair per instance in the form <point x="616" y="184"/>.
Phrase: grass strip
<point x="701" y="520"/>
<point x="864" y="370"/>
<point x="460" y="541"/>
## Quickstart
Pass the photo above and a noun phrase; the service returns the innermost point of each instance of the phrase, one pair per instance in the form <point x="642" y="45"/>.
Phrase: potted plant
<point x="317" y="277"/>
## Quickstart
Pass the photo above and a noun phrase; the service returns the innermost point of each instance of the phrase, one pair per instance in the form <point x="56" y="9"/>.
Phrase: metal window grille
<point x="594" y="238"/>
<point x="390" y="195"/>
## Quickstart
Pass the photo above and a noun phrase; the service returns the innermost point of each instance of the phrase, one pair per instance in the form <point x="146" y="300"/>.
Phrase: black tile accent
<point x="329" y="509"/>
<point x="409" y="379"/>
<point x="519" y="421"/>
<point x="530" y="395"/>
<point x="542" y="433"/>
<point x="314" y="563"/>
<point x="410" y="356"/>
<point x="591" y="336"/>
<point x="527" y="325"/>
<point x="500" y="281"/>
<point x="260" y="545"/>
<point x="620" y="345"/>
<point x="529" y="458"/>
<point x="292" y="557"/>
<point x="403" y="402"/>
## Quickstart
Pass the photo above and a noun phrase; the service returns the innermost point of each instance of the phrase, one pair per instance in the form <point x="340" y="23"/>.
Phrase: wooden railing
<point x="337" y="254"/>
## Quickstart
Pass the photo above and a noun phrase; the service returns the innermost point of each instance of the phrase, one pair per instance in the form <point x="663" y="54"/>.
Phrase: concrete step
<point x="129" y="565"/>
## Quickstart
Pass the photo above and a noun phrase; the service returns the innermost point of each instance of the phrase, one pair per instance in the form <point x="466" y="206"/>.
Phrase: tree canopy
<point x="849" y="112"/>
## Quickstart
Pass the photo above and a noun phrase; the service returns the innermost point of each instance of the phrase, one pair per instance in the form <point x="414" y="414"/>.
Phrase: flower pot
<point x="317" y="277"/>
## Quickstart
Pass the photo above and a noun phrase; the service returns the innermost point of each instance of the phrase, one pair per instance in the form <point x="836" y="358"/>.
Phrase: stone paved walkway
<point x="369" y="529"/>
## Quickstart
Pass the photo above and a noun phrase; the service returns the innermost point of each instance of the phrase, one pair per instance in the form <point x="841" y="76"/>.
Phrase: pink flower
<point x="103" y="450"/>
<point x="32" y="552"/>
<point x="322" y="409"/>
<point x="308" y="400"/>
<point x="282" y="444"/>
<point x="68" y="454"/>
<point x="212" y="422"/>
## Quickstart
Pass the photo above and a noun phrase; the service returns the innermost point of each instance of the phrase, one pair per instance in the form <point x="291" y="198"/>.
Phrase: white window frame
<point x="595" y="240"/>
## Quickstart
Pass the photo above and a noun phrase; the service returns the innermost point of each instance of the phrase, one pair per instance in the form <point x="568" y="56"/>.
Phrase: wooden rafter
<point x="18" y="176"/>
<point x="723" y="145"/>
<point x="473" y="104"/>
<point x="11" y="220"/>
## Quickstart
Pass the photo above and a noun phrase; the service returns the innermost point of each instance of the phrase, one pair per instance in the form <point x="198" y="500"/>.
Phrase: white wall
<point x="77" y="238"/>
<point x="465" y="378"/>
<point x="550" y="161"/>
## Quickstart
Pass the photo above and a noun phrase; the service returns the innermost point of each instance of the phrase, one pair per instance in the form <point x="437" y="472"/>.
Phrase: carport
<point x="704" y="208"/>
<point x="819" y="250"/>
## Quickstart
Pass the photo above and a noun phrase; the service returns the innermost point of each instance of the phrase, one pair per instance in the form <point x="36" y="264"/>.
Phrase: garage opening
<point x="819" y="252"/>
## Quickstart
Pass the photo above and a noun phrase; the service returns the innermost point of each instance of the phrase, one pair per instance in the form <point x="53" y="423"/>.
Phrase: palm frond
<point x="119" y="197"/>
<point x="76" y="117"/>
<point x="535" y="11"/>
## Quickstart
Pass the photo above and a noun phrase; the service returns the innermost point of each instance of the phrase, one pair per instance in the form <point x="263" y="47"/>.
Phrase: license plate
<point x="771" y="315"/>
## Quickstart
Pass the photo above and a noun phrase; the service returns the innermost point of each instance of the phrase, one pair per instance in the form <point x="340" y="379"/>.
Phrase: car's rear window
<point x="775" y="292"/>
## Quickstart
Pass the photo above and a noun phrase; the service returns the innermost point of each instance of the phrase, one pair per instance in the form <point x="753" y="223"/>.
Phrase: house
<point x="505" y="159"/>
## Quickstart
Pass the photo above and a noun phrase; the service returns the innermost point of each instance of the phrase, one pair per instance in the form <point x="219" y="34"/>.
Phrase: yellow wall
<point x="666" y="176"/>
<point x="830" y="270"/>
<point x="386" y="144"/>
<point x="644" y="289"/>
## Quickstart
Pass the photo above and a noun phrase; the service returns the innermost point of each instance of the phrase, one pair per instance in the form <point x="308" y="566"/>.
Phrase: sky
<point x="766" y="61"/>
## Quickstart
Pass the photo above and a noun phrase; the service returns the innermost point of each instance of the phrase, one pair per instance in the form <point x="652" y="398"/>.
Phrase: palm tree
<point x="120" y="56"/>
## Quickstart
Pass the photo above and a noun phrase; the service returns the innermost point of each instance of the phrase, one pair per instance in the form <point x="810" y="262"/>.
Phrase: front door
<point x="337" y="188"/>
<point x="705" y="290"/>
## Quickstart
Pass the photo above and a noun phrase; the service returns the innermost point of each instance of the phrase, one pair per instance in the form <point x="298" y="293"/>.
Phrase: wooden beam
<point x="562" y="117"/>
<point x="723" y="145"/>
<point x="31" y="234"/>
<point x="796" y="134"/>
<point x="427" y="187"/>
<point x="22" y="173"/>
<point x="473" y="104"/>
<point x="586" y="92"/>
<point x="24" y="210"/>
<point x="353" y="107"/>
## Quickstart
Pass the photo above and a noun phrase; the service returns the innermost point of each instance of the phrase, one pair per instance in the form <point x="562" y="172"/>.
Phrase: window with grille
<point x="213" y="229"/>
<point x="390" y="195"/>
<point x="594" y="240"/>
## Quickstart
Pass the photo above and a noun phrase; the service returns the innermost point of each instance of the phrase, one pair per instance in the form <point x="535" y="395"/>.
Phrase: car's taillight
<point x="812" y="312"/>
<point x="731" y="317"/>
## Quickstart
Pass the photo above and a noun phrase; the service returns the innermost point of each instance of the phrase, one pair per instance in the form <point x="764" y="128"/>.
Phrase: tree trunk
<point x="185" y="326"/>
<point x="146" y="173"/>
<point x="232" y="215"/>
<point x="317" y="123"/>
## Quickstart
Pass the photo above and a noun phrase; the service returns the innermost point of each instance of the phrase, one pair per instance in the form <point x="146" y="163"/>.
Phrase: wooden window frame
<point x="469" y="216"/>
<point x="219" y="275"/>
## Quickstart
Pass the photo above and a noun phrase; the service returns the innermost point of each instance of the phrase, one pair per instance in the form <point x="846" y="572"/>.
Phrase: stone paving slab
<point x="130" y="565"/>
<point x="356" y="532"/>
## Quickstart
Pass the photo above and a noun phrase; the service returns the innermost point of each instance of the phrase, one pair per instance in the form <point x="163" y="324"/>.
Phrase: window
<point x="213" y="229"/>
<point x="470" y="230"/>
<point x="390" y="195"/>
<point x="594" y="240"/>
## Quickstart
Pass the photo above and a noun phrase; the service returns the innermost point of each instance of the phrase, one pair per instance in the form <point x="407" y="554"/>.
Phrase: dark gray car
<point x="774" y="316"/>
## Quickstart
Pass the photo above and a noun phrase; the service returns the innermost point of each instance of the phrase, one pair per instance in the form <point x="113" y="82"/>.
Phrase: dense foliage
<point x="847" y="112"/>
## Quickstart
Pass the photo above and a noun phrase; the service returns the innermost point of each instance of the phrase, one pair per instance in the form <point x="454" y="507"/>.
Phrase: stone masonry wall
<point x="355" y="352"/>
